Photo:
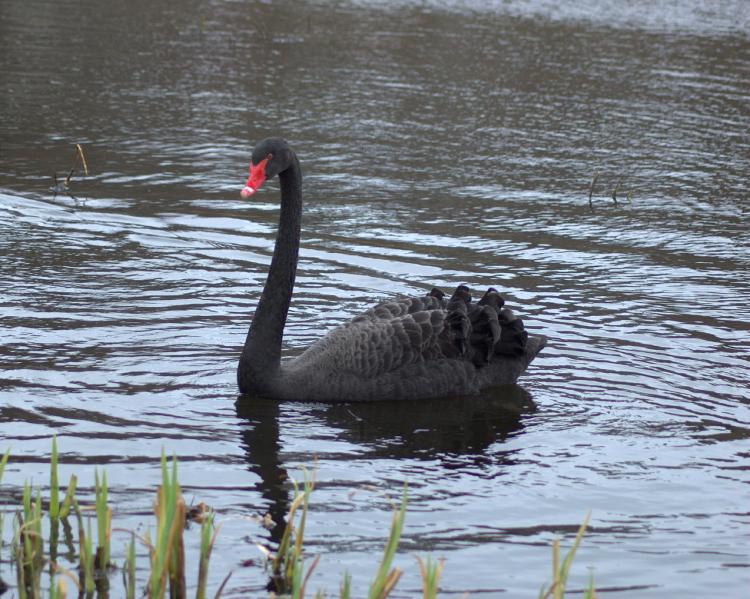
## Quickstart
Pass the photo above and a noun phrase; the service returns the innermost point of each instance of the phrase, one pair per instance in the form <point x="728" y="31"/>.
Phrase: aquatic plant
<point x="128" y="570"/>
<point x="28" y="544"/>
<point x="387" y="577"/>
<point x="430" y="572"/>
<point x="54" y="485"/>
<point x="615" y="190"/>
<point x="594" y="179"/>
<point x="561" y="570"/>
<point x="208" y="538"/>
<point x="168" y="554"/>
<point x="93" y="564"/>
<point x="618" y="184"/>
<point x="85" y="552"/>
<point x="103" y="521"/>
<point x="167" y="566"/>
<point x="63" y="185"/>
<point x="287" y="564"/>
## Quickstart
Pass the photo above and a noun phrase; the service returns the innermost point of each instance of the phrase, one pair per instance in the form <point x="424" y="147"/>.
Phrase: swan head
<point x="270" y="157"/>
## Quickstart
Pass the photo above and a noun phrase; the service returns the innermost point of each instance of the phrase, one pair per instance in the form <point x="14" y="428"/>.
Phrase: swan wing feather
<point x="372" y="346"/>
<point x="394" y="334"/>
<point x="391" y="309"/>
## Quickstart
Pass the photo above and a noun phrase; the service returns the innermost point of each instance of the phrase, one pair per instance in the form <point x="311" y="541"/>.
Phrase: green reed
<point x="287" y="564"/>
<point x="167" y="551"/>
<point x="561" y="570"/>
<point x="103" y="521"/>
<point x="430" y="571"/>
<point x="18" y="557"/>
<point x="3" y="461"/>
<point x="59" y="589"/>
<point x="85" y="551"/>
<point x="28" y="544"/>
<point x="70" y="493"/>
<point x="345" y="590"/>
<point x="208" y="538"/>
<point x="128" y="570"/>
<point x="168" y="554"/>
<point x="54" y="485"/>
<point x="386" y="577"/>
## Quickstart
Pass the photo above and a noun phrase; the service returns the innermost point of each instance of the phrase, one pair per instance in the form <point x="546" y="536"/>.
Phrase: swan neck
<point x="261" y="355"/>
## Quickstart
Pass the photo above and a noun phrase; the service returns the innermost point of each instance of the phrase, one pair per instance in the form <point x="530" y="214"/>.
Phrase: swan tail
<point x="458" y="321"/>
<point x="514" y="337"/>
<point x="433" y="327"/>
<point x="486" y="329"/>
<point x="485" y="334"/>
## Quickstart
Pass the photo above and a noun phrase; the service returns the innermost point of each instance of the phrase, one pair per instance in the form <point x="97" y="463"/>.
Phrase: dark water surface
<point x="441" y="143"/>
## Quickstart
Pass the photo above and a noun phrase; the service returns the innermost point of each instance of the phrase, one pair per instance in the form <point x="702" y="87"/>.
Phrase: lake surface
<point x="441" y="143"/>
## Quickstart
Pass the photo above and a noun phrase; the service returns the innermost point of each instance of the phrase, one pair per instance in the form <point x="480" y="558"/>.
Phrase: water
<point x="441" y="143"/>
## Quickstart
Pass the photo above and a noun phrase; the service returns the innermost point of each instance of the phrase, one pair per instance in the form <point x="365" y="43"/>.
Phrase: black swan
<point x="410" y="348"/>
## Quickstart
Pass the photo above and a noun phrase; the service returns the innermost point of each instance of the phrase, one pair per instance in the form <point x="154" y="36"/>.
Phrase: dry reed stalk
<point x="614" y="191"/>
<point x="591" y="188"/>
<point x="79" y="155"/>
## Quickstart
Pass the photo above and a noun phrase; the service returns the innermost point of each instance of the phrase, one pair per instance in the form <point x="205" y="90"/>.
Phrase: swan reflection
<point x="422" y="429"/>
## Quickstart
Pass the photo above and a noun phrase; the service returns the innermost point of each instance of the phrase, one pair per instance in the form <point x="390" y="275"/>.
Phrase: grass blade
<point x="3" y="461"/>
<point x="300" y="594"/>
<point x="346" y="586"/>
<point x="103" y="521"/>
<point x="286" y="563"/>
<point x="164" y="518"/>
<point x="18" y="551"/>
<point x="69" y="498"/>
<point x="167" y="557"/>
<point x="222" y="585"/>
<point x="207" y="544"/>
<point x="430" y="572"/>
<point x="177" y="587"/>
<point x="79" y="155"/>
<point x="590" y="592"/>
<point x="591" y="188"/>
<point x="386" y="578"/>
<point x="54" y="485"/>
<point x="128" y="570"/>
<point x="560" y="571"/>
<point x="568" y="561"/>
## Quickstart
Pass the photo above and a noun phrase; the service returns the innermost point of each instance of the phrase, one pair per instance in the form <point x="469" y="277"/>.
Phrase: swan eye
<point x="269" y="157"/>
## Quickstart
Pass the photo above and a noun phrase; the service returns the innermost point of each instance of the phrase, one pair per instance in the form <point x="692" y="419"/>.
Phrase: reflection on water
<point x="426" y="429"/>
<point x="457" y="431"/>
<point x="441" y="143"/>
<point x="393" y="430"/>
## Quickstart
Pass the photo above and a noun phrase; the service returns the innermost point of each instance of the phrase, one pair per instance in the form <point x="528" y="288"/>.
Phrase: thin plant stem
<point x="430" y="572"/>
<point x="591" y="188"/>
<point x="54" y="485"/>
<point x="561" y="570"/>
<point x="386" y="578"/>
<point x="207" y="542"/>
<point x="128" y="570"/>
<point x="3" y="461"/>
<point x="69" y="498"/>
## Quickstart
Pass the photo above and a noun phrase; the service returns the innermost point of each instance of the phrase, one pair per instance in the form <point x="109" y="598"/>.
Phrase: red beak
<point x="256" y="179"/>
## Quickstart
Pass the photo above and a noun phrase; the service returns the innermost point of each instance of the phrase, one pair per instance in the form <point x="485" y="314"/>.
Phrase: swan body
<point x="411" y="348"/>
